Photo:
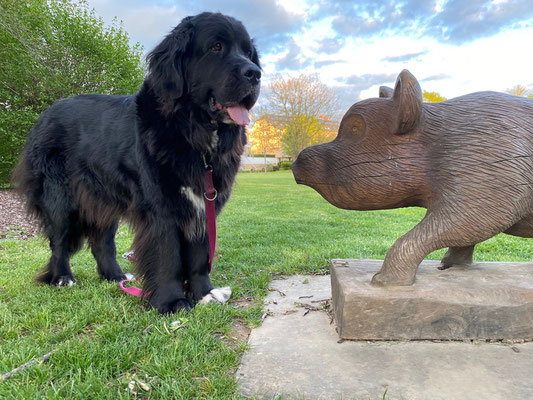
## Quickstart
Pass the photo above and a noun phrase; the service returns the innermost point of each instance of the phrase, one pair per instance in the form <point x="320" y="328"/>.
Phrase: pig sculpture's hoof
<point x="446" y="265"/>
<point x="383" y="279"/>
<point x="443" y="266"/>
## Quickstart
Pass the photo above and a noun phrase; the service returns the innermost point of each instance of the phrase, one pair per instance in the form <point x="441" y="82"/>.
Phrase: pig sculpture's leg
<point x="403" y="258"/>
<point x="437" y="230"/>
<point x="457" y="256"/>
<point x="406" y="254"/>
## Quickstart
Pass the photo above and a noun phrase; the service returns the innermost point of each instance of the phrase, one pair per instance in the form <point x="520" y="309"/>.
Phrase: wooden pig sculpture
<point x="468" y="161"/>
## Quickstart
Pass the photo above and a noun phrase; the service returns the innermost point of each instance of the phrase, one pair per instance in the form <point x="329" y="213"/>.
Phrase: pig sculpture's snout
<point x="308" y="167"/>
<point x="297" y="169"/>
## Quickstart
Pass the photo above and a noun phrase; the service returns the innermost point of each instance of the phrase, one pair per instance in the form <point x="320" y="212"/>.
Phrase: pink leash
<point x="135" y="291"/>
<point x="210" y="196"/>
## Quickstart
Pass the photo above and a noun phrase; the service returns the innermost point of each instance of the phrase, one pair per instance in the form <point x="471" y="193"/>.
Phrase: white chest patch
<point x="197" y="201"/>
<point x="214" y="141"/>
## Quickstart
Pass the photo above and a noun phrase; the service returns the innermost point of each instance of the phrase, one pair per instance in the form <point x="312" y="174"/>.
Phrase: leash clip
<point x="207" y="166"/>
<point x="214" y="196"/>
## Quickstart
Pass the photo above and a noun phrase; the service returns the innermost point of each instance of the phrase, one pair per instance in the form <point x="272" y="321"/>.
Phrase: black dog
<point x="92" y="159"/>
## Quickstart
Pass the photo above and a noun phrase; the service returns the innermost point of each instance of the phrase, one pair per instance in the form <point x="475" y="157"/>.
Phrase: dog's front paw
<point x="173" y="306"/>
<point x="62" y="280"/>
<point x="65" y="280"/>
<point x="130" y="276"/>
<point x="53" y="279"/>
<point x="220" y="295"/>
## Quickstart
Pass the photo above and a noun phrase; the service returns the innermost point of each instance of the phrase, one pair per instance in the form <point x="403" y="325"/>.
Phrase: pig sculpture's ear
<point x="407" y="97"/>
<point x="385" y="91"/>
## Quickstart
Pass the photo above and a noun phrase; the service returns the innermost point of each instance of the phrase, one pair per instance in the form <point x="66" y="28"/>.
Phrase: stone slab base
<point x="492" y="300"/>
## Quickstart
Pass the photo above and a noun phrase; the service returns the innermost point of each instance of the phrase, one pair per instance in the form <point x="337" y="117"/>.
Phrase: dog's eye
<point x="217" y="47"/>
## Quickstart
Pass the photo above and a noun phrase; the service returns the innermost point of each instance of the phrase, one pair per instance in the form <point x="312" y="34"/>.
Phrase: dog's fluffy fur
<point x="92" y="159"/>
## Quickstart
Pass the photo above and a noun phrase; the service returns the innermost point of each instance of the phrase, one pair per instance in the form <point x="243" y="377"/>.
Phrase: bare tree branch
<point x="14" y="371"/>
<point x="518" y="90"/>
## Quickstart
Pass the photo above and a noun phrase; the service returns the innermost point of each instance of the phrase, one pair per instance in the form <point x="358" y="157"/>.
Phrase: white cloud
<point x="297" y="7"/>
<point x="149" y="24"/>
<point x="302" y="36"/>
<point x="495" y="63"/>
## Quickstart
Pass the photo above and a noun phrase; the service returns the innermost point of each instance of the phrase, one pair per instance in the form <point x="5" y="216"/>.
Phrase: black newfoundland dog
<point x="92" y="159"/>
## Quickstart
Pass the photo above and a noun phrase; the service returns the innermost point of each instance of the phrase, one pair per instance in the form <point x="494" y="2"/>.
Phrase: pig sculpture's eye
<point x="354" y="125"/>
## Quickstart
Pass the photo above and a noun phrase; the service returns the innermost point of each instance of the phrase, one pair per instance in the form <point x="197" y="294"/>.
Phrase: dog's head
<point x="209" y="60"/>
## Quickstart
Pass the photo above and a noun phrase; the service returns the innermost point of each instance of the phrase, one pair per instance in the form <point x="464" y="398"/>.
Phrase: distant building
<point x="257" y="163"/>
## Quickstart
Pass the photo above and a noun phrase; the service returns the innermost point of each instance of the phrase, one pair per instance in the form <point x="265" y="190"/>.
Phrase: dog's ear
<point x="166" y="65"/>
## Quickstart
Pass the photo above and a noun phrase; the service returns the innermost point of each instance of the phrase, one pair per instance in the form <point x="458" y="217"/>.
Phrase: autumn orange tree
<point x="305" y="108"/>
<point x="265" y="137"/>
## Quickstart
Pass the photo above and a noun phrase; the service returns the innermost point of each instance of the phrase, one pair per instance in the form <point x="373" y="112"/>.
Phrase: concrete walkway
<point x="295" y="353"/>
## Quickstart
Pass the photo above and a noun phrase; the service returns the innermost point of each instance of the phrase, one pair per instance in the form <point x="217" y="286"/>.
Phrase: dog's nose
<point x="252" y="73"/>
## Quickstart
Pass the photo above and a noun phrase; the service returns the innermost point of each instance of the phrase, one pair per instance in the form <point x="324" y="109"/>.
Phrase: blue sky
<point x="453" y="47"/>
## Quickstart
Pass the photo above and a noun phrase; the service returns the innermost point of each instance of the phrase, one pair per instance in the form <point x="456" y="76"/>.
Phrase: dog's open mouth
<point x="237" y="112"/>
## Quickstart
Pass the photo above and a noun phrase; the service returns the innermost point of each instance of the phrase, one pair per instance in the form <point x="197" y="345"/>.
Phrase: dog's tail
<point x="38" y="169"/>
<point x="24" y="181"/>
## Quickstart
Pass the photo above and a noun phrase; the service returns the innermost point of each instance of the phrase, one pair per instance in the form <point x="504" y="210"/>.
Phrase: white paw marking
<point x="129" y="277"/>
<point x="220" y="295"/>
<point x="64" y="281"/>
<point x="197" y="201"/>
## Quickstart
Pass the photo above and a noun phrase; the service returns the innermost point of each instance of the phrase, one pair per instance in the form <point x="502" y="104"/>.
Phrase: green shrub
<point x="14" y="125"/>
<point x="285" y="165"/>
<point x="54" y="49"/>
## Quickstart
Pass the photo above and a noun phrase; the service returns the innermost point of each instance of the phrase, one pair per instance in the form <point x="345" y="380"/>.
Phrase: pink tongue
<point x="239" y="115"/>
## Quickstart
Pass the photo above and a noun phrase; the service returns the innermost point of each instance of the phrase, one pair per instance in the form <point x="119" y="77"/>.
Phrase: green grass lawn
<point x="111" y="345"/>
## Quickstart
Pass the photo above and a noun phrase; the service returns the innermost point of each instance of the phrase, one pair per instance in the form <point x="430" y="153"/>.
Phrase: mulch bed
<point x="14" y="222"/>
